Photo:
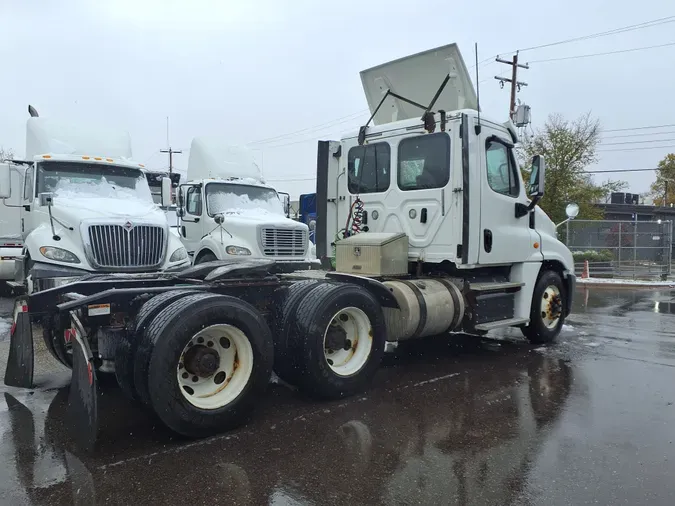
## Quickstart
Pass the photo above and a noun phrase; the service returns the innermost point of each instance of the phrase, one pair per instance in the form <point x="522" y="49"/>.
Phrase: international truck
<point x="227" y="211"/>
<point x="431" y="229"/>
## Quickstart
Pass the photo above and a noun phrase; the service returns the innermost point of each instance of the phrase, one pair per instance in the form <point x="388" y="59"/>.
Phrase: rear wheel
<point x="211" y="359"/>
<point x="341" y="335"/>
<point x="126" y="350"/>
<point x="547" y="314"/>
<point x="286" y="354"/>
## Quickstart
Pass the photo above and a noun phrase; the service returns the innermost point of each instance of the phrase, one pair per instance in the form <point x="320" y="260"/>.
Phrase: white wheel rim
<point x="551" y="306"/>
<point x="234" y="367"/>
<point x="358" y="332"/>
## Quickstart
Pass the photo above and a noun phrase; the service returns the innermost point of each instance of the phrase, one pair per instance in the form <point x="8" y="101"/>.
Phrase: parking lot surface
<point x="459" y="420"/>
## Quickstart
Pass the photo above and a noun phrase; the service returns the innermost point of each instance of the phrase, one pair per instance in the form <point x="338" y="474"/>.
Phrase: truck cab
<point x="435" y="169"/>
<point x="85" y="207"/>
<point x="227" y="211"/>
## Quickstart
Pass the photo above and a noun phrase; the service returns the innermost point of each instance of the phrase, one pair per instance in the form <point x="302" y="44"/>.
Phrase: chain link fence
<point x="632" y="249"/>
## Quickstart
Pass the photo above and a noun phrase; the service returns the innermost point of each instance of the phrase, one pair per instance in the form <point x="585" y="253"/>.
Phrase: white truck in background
<point x="81" y="205"/>
<point x="11" y="241"/>
<point x="227" y="211"/>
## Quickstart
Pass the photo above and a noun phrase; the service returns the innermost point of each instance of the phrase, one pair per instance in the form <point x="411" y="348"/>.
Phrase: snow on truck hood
<point x="258" y="216"/>
<point x="85" y="208"/>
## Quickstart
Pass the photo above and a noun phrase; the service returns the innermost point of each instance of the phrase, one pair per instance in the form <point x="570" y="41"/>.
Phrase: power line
<point x="614" y="150"/>
<point x="638" y="135"/>
<point x="333" y="122"/>
<point x="635" y="142"/>
<point x="638" y="26"/>
<point x="612" y="171"/>
<point x="603" y="54"/>
<point x="640" y="128"/>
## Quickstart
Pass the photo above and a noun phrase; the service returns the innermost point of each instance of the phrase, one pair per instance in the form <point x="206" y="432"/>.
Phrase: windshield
<point x="91" y="180"/>
<point x="227" y="197"/>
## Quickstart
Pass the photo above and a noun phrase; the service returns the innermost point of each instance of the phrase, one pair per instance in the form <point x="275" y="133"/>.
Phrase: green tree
<point x="569" y="147"/>
<point x="665" y="180"/>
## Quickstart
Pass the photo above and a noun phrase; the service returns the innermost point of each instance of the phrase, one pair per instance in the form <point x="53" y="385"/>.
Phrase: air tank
<point x="428" y="307"/>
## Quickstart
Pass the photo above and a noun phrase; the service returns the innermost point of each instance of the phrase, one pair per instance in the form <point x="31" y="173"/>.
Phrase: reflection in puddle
<point x="468" y="437"/>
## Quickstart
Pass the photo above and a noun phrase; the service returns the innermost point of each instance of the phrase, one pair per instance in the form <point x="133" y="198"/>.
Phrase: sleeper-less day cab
<point x="227" y="211"/>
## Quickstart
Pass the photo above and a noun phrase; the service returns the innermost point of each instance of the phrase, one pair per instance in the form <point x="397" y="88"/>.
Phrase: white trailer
<point x="11" y="241"/>
<point x="227" y="211"/>
<point x="432" y="231"/>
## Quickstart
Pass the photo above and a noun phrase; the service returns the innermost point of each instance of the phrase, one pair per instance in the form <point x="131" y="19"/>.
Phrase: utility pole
<point x="514" y="81"/>
<point x="169" y="149"/>
<point x="171" y="153"/>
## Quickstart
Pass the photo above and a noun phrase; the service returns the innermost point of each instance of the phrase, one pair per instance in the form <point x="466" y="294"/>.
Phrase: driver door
<point x="191" y="222"/>
<point x="504" y="237"/>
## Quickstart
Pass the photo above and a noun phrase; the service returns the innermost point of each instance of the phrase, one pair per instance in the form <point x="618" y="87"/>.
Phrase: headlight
<point x="59" y="255"/>
<point x="178" y="255"/>
<point x="237" y="250"/>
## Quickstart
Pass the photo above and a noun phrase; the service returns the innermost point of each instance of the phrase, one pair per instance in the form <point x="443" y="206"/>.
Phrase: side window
<point x="28" y="184"/>
<point x="193" y="201"/>
<point x="501" y="169"/>
<point x="368" y="168"/>
<point x="424" y="162"/>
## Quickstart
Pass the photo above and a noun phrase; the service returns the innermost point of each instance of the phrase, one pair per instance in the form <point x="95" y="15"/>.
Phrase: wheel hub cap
<point x="201" y="361"/>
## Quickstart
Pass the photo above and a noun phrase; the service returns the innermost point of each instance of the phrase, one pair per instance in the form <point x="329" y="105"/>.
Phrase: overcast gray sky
<point x="261" y="69"/>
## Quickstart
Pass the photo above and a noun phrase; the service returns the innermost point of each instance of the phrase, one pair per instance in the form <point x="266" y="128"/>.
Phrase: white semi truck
<point x="433" y="231"/>
<point x="227" y="211"/>
<point x="82" y="206"/>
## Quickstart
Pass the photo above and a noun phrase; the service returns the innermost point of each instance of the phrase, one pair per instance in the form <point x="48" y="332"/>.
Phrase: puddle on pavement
<point x="457" y="424"/>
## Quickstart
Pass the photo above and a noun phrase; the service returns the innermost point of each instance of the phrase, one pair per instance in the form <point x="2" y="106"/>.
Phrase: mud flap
<point x="19" y="372"/>
<point x="83" y="395"/>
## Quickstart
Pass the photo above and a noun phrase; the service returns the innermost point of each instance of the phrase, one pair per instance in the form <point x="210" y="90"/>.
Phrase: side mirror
<point x="572" y="210"/>
<point x="166" y="192"/>
<point x="312" y="225"/>
<point x="219" y="219"/>
<point x="5" y="181"/>
<point x="286" y="200"/>
<point x="537" y="178"/>
<point x="46" y="199"/>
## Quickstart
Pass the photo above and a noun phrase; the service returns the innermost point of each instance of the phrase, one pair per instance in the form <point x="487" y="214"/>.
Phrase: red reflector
<point x="11" y="331"/>
<point x="91" y="374"/>
<point x="24" y="308"/>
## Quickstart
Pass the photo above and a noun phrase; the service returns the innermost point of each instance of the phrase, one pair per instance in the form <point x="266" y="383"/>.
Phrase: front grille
<point x="283" y="242"/>
<point x="114" y="246"/>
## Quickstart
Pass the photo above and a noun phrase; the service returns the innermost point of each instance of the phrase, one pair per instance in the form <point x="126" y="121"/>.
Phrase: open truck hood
<point x="417" y="78"/>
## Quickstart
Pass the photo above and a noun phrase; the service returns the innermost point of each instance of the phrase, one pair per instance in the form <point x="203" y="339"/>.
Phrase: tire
<point x="286" y="352"/>
<point x="56" y="345"/>
<point x="207" y="257"/>
<point x="333" y="302"/>
<point x="542" y="329"/>
<point x="126" y="350"/>
<point x="170" y="334"/>
<point x="134" y="382"/>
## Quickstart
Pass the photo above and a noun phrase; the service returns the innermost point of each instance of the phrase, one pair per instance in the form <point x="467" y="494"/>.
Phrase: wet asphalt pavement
<point x="589" y="420"/>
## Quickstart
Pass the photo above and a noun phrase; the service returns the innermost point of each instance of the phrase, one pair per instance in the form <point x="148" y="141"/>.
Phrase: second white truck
<point x="227" y="211"/>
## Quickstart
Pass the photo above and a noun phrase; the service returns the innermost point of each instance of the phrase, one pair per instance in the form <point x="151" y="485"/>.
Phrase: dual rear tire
<point x="200" y="360"/>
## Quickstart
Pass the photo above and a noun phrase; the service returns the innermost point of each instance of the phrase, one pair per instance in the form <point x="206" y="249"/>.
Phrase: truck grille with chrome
<point x="283" y="242"/>
<point x="115" y="246"/>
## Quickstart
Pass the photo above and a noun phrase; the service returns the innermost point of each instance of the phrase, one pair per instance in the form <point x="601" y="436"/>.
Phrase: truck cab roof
<point x="102" y="160"/>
